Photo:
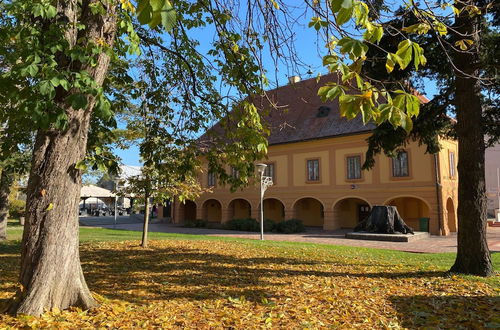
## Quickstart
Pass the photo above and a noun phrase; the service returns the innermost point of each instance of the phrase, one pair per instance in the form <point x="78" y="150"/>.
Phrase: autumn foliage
<point x="247" y="284"/>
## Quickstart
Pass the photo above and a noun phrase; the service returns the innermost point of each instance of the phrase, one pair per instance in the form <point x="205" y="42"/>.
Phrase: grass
<point x="205" y="281"/>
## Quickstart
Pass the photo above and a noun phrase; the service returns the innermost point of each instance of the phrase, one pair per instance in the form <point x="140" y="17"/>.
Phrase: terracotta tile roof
<point x="294" y="116"/>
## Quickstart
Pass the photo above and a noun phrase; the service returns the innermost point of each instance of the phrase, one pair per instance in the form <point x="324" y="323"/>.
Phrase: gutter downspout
<point x="438" y="193"/>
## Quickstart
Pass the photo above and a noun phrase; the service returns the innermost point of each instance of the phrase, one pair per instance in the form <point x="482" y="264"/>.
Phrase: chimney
<point x="293" y="79"/>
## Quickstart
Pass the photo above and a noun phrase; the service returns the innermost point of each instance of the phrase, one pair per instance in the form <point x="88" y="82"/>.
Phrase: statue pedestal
<point x="388" y="237"/>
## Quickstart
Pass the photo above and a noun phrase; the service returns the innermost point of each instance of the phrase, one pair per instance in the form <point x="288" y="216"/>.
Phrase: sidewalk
<point x="434" y="244"/>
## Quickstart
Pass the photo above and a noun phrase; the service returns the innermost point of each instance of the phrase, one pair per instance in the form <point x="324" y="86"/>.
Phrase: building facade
<point x="315" y="158"/>
<point x="492" y="176"/>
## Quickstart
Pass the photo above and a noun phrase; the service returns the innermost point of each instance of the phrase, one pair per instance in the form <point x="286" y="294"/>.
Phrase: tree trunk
<point x="5" y="182"/>
<point x="473" y="255"/>
<point x="384" y="220"/>
<point x="146" y="223"/>
<point x="51" y="275"/>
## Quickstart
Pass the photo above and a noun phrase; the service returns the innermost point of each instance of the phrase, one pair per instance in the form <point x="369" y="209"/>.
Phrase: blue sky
<point x="309" y="49"/>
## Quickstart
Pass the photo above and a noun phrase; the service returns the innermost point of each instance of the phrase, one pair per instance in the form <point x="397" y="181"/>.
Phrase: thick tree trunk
<point x="384" y="220"/>
<point x="473" y="255"/>
<point x="5" y="182"/>
<point x="51" y="274"/>
<point x="144" y="242"/>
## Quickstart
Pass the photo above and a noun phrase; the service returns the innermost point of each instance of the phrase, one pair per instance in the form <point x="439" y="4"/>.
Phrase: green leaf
<point x="350" y="105"/>
<point x="344" y="15"/>
<point x="157" y="5"/>
<point x="384" y="113"/>
<point x="46" y="87"/>
<point x="144" y="12"/>
<point x="81" y="165"/>
<point x="420" y="28"/>
<point x="38" y="10"/>
<point x="408" y="103"/>
<point x="354" y="48"/>
<point x="168" y="16"/>
<point x="49" y="207"/>
<point x="407" y="124"/>
<point x="55" y="81"/>
<point x="405" y="53"/>
<point x="32" y="69"/>
<point x="418" y="55"/>
<point x="330" y="92"/>
<point x="51" y="12"/>
<point x="337" y="5"/>
<point x="78" y="101"/>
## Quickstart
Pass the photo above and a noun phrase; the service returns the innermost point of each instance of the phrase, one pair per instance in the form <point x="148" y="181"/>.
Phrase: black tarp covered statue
<point x="384" y="220"/>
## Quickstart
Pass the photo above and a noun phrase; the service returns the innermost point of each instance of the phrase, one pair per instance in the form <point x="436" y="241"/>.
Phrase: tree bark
<point x="384" y="220"/>
<point x="144" y="242"/>
<point x="5" y="182"/>
<point x="51" y="274"/>
<point x="473" y="255"/>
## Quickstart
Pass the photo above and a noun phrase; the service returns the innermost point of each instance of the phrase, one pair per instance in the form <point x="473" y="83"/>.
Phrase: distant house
<point x="315" y="159"/>
<point x="492" y="175"/>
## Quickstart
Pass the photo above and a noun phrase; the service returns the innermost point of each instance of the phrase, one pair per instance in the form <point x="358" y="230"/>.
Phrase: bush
<point x="290" y="226"/>
<point x="17" y="208"/>
<point x="247" y="224"/>
<point x="198" y="223"/>
<point x="269" y="225"/>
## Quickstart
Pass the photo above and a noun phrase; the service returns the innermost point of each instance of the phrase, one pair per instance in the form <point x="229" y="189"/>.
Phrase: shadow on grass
<point x="166" y="273"/>
<point x="448" y="312"/>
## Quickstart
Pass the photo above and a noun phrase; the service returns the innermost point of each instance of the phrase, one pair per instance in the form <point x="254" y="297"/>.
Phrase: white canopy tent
<point x="95" y="191"/>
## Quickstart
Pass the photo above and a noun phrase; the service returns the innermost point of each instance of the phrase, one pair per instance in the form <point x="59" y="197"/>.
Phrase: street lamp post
<point x="265" y="182"/>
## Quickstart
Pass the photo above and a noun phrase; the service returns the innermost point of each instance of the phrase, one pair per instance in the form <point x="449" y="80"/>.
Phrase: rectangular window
<point x="354" y="167"/>
<point x="313" y="170"/>
<point x="211" y="179"/>
<point x="269" y="171"/>
<point x="235" y="173"/>
<point x="400" y="165"/>
<point x="452" y="164"/>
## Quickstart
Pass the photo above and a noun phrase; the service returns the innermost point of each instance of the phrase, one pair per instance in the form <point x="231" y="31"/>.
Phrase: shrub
<point x="16" y="208"/>
<point x="215" y="225"/>
<point x="198" y="223"/>
<point x="269" y="225"/>
<point x="290" y="226"/>
<point x="247" y="224"/>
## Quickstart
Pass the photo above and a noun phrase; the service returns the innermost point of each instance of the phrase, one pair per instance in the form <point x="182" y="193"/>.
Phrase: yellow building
<point x="315" y="159"/>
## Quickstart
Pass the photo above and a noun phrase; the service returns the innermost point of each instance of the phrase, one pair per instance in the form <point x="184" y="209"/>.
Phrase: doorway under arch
<point x="348" y="212"/>
<point x="274" y="209"/>
<point x="187" y="211"/>
<point x="240" y="209"/>
<point x="452" y="219"/>
<point x="411" y="209"/>
<point x="212" y="211"/>
<point x="310" y="211"/>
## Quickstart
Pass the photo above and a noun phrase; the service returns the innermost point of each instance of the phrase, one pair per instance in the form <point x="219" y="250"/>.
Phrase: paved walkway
<point x="434" y="244"/>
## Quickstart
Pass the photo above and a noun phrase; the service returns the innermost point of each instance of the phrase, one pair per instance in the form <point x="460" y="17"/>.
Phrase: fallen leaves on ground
<point x="214" y="284"/>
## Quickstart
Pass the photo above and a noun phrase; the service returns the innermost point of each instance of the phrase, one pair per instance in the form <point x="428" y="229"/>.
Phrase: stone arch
<point x="240" y="208"/>
<point x="451" y="215"/>
<point x="310" y="210"/>
<point x="411" y="208"/>
<point x="187" y="210"/>
<point x="274" y="209"/>
<point x="349" y="211"/>
<point x="212" y="211"/>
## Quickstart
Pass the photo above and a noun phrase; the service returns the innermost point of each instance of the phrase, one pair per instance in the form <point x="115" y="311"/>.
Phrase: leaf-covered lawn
<point x="209" y="283"/>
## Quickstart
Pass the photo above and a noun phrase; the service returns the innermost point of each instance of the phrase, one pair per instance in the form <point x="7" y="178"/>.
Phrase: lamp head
<point x="260" y="168"/>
